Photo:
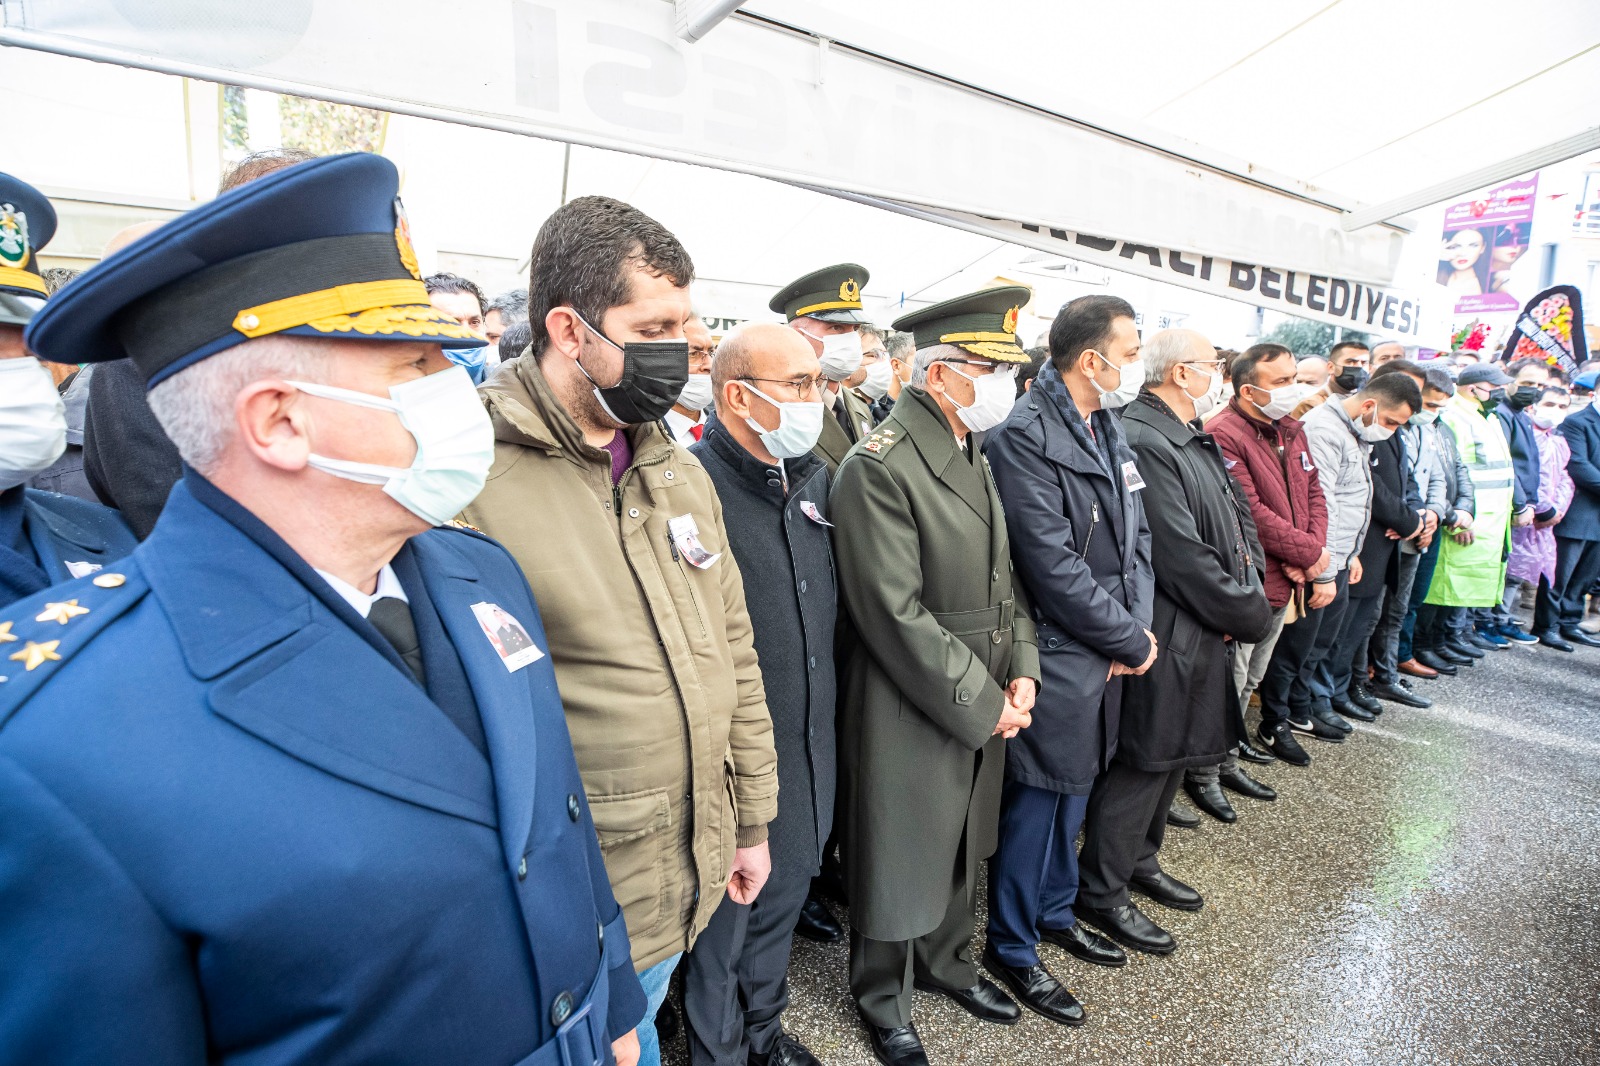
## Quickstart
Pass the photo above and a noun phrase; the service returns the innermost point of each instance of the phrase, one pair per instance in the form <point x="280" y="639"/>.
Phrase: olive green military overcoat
<point x="835" y="444"/>
<point x="941" y="629"/>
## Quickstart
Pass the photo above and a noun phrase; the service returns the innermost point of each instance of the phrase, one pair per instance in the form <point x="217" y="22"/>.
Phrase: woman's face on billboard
<point x="1462" y="248"/>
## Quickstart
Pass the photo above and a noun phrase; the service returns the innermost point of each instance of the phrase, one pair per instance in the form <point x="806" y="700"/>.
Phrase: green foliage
<point x="1305" y="337"/>
<point x="321" y="128"/>
<point x="235" y="121"/>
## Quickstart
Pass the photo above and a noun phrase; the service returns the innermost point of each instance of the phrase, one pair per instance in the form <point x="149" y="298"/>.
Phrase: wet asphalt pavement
<point x="1425" y="892"/>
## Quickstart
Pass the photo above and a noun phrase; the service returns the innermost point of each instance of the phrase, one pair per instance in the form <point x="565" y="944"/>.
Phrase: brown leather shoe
<point x="1416" y="669"/>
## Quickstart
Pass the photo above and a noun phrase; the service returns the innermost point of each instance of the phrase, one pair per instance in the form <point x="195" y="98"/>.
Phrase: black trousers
<point x="735" y="980"/>
<point x="1123" y="830"/>
<point x="1384" y="653"/>
<point x="1347" y="660"/>
<point x="1577" y="568"/>
<point x="882" y="972"/>
<point x="1289" y="687"/>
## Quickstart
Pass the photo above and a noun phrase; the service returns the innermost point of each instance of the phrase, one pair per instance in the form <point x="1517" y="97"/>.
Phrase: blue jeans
<point x="655" y="981"/>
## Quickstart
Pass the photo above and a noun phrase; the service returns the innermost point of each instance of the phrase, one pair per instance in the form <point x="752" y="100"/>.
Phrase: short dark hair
<point x="512" y="305"/>
<point x="1342" y="345"/>
<point x="1399" y="366"/>
<point x="1439" y="380"/>
<point x="1025" y="374"/>
<point x="1517" y="366"/>
<point x="1391" y="390"/>
<point x="866" y="329"/>
<point x="447" y="282"/>
<point x="1560" y="390"/>
<point x="1084" y="323"/>
<point x="515" y="340"/>
<point x="1246" y="362"/>
<point x="1227" y="355"/>
<point x="260" y="164"/>
<point x="583" y="256"/>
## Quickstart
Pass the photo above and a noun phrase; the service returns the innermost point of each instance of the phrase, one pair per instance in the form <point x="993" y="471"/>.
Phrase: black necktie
<point x="391" y="616"/>
<point x="842" y="413"/>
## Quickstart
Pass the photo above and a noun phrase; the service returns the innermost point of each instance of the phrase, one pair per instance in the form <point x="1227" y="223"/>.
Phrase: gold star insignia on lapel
<point x="61" y="612"/>
<point x="36" y="654"/>
<point x="5" y="633"/>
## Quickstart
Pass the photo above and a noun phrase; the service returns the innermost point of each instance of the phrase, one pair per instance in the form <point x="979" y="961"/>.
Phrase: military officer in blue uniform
<point x="45" y="537"/>
<point x="272" y="793"/>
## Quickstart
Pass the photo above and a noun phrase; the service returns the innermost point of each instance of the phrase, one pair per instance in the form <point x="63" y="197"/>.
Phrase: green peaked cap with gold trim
<point x="832" y="294"/>
<point x="983" y="323"/>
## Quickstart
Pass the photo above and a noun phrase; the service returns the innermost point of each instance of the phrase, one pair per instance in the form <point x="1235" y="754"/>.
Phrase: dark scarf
<point x="1100" y="443"/>
<point x="20" y="572"/>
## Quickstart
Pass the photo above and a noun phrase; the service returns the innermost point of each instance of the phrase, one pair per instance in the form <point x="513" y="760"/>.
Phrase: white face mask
<point x="33" y="421"/>
<point x="1130" y="381"/>
<point x="879" y="375"/>
<point x="455" y="443"/>
<point x="1547" y="417"/>
<point x="1209" y="400"/>
<point x="799" y="426"/>
<point x="696" y="394"/>
<point x="1373" y="433"/>
<point x="841" y="354"/>
<point x="993" y="397"/>
<point x="1280" y="401"/>
<point x="1423" y="418"/>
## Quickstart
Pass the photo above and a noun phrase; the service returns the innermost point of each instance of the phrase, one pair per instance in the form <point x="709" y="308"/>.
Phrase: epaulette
<point x="41" y="632"/>
<point x="461" y="526"/>
<point x="881" y="440"/>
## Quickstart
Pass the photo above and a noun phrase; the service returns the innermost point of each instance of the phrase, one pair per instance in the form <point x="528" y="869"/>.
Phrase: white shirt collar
<point x="388" y="585"/>
<point x="679" y="425"/>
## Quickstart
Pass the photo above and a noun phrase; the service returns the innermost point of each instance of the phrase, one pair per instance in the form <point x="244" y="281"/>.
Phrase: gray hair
<point x="1163" y="352"/>
<point x="195" y="405"/>
<point x="512" y="305"/>
<point x="866" y="329"/>
<point x="901" y="346"/>
<point x="926" y="357"/>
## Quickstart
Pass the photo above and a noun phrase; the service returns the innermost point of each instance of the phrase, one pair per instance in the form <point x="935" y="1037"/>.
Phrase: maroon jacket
<point x="1273" y="466"/>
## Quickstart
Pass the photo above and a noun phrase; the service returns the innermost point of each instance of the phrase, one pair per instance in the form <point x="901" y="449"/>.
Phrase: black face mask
<point x="1352" y="378"/>
<point x="653" y="374"/>
<point x="1525" y="396"/>
<point x="1495" y="399"/>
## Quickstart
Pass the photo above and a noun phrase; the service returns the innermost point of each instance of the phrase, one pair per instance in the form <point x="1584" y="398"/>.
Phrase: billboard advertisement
<point x="1483" y="239"/>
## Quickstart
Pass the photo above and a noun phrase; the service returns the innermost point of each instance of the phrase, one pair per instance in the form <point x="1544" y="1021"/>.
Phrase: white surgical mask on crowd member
<point x="1424" y="418"/>
<point x="1373" y="433"/>
<point x="455" y="443"/>
<point x="696" y="394"/>
<point x="1547" y="416"/>
<point x="799" y="425"/>
<point x="33" y="421"/>
<point x="992" y="398"/>
<point x="1209" y="400"/>
<point x="1280" y="401"/>
<point x="1130" y="379"/>
<point x="841" y="354"/>
<point x="879" y="375"/>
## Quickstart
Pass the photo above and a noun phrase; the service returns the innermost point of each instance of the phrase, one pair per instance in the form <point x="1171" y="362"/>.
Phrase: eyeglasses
<point x="972" y="362"/>
<point x="803" y="389"/>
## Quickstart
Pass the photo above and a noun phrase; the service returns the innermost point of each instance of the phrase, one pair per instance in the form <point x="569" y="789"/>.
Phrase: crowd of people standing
<point x="410" y="675"/>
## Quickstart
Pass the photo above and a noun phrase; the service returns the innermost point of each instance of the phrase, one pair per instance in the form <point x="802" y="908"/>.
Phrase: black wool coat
<point x="1184" y="711"/>
<point x="786" y="557"/>
<point x="1082" y="552"/>
<point x="1394" y="506"/>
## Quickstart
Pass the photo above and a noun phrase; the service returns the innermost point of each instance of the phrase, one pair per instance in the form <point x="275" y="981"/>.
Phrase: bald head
<point x="127" y="236"/>
<point x="762" y="350"/>
<point x="1172" y="347"/>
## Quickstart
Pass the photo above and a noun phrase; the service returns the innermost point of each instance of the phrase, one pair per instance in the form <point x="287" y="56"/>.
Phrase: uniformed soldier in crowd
<point x="272" y="793"/>
<point x="944" y="668"/>
<point x="45" y="537"/>
<point x="774" y="493"/>
<point x="825" y="307"/>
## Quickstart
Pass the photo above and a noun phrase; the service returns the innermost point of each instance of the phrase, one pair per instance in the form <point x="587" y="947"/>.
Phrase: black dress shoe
<point x="1362" y="698"/>
<point x="1332" y="720"/>
<point x="1464" y="645"/>
<point x="1182" y="817"/>
<point x="1249" y="753"/>
<point x="1551" y="639"/>
<point x="1351" y="709"/>
<point x="786" y="1052"/>
<point x="1167" y="891"/>
<point x="1128" y="926"/>
<point x="1083" y="943"/>
<point x="983" y="1001"/>
<point x="1396" y="694"/>
<point x="1280" y="740"/>
<point x="1037" y="989"/>
<point x="817" y="923"/>
<point x="1578" y="635"/>
<point x="1435" y="662"/>
<point x="1450" y="653"/>
<point x="1209" y="798"/>
<point x="667" y="1024"/>
<point x="1236" y="780"/>
<point x="897" y="1046"/>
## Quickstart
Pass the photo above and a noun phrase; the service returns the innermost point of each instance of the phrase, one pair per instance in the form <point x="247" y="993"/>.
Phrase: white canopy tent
<point x="1279" y="141"/>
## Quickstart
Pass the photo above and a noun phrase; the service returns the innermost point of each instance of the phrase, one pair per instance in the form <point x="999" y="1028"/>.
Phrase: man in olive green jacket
<point x="620" y="534"/>
<point x="944" y="669"/>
